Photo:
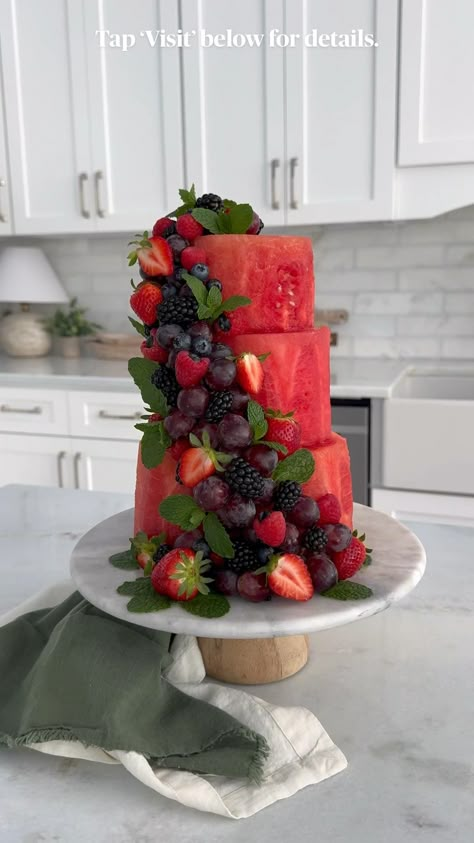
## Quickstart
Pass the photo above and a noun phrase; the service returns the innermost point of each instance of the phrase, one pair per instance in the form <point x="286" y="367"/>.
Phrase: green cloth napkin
<point x="75" y="673"/>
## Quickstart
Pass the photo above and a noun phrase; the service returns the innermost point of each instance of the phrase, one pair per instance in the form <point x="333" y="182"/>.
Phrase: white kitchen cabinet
<point x="35" y="460"/>
<point x="5" y="209"/>
<point x="340" y="113"/>
<point x="33" y="411"/>
<point x="102" y="466"/>
<point x="421" y="506"/>
<point x="234" y="105"/>
<point x="135" y="114"/>
<point x="105" y="415"/>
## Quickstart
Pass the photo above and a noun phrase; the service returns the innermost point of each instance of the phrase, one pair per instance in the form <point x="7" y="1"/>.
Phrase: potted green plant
<point x="69" y="326"/>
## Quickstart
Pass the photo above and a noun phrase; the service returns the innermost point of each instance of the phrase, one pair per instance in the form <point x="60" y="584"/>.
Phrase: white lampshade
<point x="27" y="276"/>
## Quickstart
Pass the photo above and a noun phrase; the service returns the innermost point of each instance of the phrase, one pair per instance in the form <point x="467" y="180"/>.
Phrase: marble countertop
<point x="394" y="692"/>
<point x="350" y="377"/>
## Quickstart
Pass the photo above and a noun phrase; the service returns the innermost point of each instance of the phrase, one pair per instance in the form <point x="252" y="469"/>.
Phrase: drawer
<point x="105" y="415"/>
<point x="33" y="411"/>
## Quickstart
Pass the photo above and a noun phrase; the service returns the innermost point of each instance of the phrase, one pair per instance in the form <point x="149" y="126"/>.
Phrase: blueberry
<point x="168" y="290"/>
<point x="182" y="342"/>
<point x="201" y="271"/>
<point x="263" y="554"/>
<point x="214" y="282"/>
<point x="178" y="273"/>
<point x="202" y="546"/>
<point x="224" y="322"/>
<point x="202" y="346"/>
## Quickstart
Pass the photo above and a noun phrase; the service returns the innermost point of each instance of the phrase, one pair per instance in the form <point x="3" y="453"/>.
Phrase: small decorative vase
<point x="69" y="347"/>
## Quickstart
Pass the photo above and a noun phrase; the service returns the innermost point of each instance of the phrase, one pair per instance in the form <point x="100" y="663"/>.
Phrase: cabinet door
<point x="5" y="213"/>
<point x="436" y="72"/>
<point x="44" y="80"/>
<point x="135" y="102"/>
<point x="341" y="107"/>
<point x="234" y="104"/>
<point x="102" y="466"/>
<point x="422" y="506"/>
<point x="35" y="460"/>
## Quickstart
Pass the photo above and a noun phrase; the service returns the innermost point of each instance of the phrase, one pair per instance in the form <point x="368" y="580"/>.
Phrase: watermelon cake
<point x="242" y="488"/>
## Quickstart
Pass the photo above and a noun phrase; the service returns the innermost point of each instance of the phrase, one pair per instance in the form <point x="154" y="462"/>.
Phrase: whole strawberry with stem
<point x="350" y="560"/>
<point x="180" y="574"/>
<point x="284" y="429"/>
<point x="145" y="300"/>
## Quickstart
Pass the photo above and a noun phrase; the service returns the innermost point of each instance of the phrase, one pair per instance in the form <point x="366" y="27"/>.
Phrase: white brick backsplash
<point x="338" y="258"/>
<point x="355" y="281"/>
<point x="452" y="278"/>
<point x="425" y="326"/>
<point x="393" y="257"/>
<point x="369" y="326"/>
<point x="344" y="347"/>
<point x="397" y="347"/>
<point x="382" y="234"/>
<point x="329" y="301"/>
<point x="459" y="302"/>
<point x="453" y="347"/>
<point x="398" y="303"/>
<point x="460" y="255"/>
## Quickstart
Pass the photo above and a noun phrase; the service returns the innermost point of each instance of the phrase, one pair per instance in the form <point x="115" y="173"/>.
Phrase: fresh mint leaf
<point x="229" y="203"/>
<point x="197" y="288"/>
<point x="132" y="588"/>
<point x="214" y="298"/>
<point x="182" y="511"/>
<point x="347" y="590"/>
<point x="256" y="419"/>
<point x="141" y="371"/>
<point x="148" y="603"/>
<point x="137" y="325"/>
<point x="188" y="197"/>
<point x="298" y="466"/>
<point x="217" y="536"/>
<point x="125" y="560"/>
<point x="208" y="219"/>
<point x="240" y="217"/>
<point x="204" y="312"/>
<point x="207" y="606"/>
<point x="232" y="303"/>
<point x="180" y="211"/>
<point x="155" y="441"/>
<point x="275" y="446"/>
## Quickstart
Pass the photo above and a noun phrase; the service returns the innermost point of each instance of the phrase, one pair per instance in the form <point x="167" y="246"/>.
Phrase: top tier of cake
<point x="276" y="273"/>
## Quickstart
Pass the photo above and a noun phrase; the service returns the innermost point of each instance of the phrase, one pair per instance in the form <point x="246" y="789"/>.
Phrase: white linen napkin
<point x="301" y="751"/>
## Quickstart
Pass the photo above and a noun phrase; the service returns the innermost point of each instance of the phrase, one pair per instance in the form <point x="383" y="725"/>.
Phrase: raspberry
<point x="244" y="558"/>
<point x="286" y="495"/>
<point x="163" y="227"/>
<point x="188" y="227"/>
<point x="270" y="528"/>
<point x="154" y="352"/>
<point x="244" y="479"/>
<point x="329" y="509"/>
<point x="192" y="255"/>
<point x="315" y="539"/>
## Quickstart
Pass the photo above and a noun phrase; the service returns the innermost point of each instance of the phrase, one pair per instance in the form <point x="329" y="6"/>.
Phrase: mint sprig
<point x="155" y="441"/>
<point x="183" y="511"/>
<point x="124" y="560"/>
<point x="138" y="326"/>
<point x="217" y="536"/>
<point x="275" y="446"/>
<point x="298" y="466"/>
<point x="141" y="370"/>
<point x="210" y="303"/>
<point x="348" y="590"/>
<point x="188" y="198"/>
<point x="257" y="421"/>
<point x="235" y="219"/>
<point x="144" y="597"/>
<point x="208" y="606"/>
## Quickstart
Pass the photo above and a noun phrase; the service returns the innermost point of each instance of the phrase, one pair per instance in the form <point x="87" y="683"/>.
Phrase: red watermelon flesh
<point x="153" y="485"/>
<point x="276" y="273"/>
<point x="332" y="474"/>
<point x="296" y="377"/>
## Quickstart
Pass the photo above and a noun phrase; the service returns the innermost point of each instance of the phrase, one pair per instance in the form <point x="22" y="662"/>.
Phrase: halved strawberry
<point x="289" y="577"/>
<point x="270" y="528"/>
<point x="249" y="372"/>
<point x="179" y="574"/>
<point x="190" y="370"/>
<point x="283" y="429"/>
<point x="153" y="254"/>
<point x="200" y="461"/>
<point x="144" y="301"/>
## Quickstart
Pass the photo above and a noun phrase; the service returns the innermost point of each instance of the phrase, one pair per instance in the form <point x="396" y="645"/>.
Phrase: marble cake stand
<point x="255" y="642"/>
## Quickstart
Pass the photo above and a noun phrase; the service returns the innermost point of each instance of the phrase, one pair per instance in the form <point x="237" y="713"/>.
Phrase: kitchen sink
<point x="436" y="385"/>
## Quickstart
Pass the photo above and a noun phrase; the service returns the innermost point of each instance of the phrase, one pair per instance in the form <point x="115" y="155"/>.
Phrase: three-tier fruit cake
<point x="242" y="487"/>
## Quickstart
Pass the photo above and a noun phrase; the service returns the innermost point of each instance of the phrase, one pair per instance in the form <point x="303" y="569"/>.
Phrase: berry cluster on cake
<point x="242" y="487"/>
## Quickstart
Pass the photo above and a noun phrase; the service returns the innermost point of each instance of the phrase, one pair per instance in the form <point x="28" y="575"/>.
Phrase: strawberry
<point x="179" y="574"/>
<point x="329" y="509"/>
<point x="289" y="577"/>
<point x="145" y="300"/>
<point x="189" y="369"/>
<point x="154" y="352"/>
<point x="189" y="228"/>
<point x="144" y="548"/>
<point x="283" y="429"/>
<point x="163" y="227"/>
<point x="153" y="254"/>
<point x="192" y="255"/>
<point x="200" y="461"/>
<point x="270" y="528"/>
<point x="249" y="372"/>
<point x="179" y="447"/>
<point x="349" y="561"/>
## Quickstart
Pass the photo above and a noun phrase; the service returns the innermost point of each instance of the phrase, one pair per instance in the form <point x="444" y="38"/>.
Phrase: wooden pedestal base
<point x="253" y="661"/>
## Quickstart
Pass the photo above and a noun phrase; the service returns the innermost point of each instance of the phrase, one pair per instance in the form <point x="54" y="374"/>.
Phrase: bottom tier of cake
<point x="153" y="485"/>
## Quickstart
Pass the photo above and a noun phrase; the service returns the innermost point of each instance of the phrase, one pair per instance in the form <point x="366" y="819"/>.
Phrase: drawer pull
<point x="60" y="458"/>
<point x="33" y="411"/>
<point x="293" y="199"/>
<point x="3" y="217"/>
<point x="77" y="479"/>
<point x="98" y="178"/>
<point x="103" y="414"/>
<point x="83" y="177"/>
<point x="274" y="164"/>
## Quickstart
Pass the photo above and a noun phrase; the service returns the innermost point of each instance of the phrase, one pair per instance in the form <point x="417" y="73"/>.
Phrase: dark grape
<point x="168" y="291"/>
<point x="177" y="244"/>
<point x="268" y="488"/>
<point x="240" y="400"/>
<point x="322" y="570"/>
<point x="225" y="582"/>
<point x="185" y="292"/>
<point x="193" y="402"/>
<point x="211" y="494"/>
<point x="211" y="429"/>
<point x="201" y="546"/>
<point x="172" y="358"/>
<point x="264" y="459"/>
<point x="188" y="539"/>
<point x="339" y="536"/>
<point x="221" y="373"/>
<point x="200" y="329"/>
<point x="177" y="424"/>
<point x="253" y="587"/>
<point x="234" y="432"/>
<point x="291" y="541"/>
<point x="238" y="512"/>
<point x="220" y="350"/>
<point x="305" y="512"/>
<point x="167" y="333"/>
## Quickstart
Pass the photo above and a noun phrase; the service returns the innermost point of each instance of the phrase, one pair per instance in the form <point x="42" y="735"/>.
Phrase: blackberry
<point x="244" y="479"/>
<point x="164" y="378"/>
<point x="224" y="322"/>
<point x="178" y="311"/>
<point x="244" y="558"/>
<point x="286" y="495"/>
<point x="218" y="406"/>
<point x="315" y="539"/>
<point x="161" y="551"/>
<point x="211" y="201"/>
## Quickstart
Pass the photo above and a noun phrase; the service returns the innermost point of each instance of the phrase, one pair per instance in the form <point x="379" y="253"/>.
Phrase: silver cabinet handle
<point x="77" y="459"/>
<point x="274" y="165"/>
<point x="3" y="217"/>
<point x="293" y="200"/>
<point x="98" y="178"/>
<point x="34" y="411"/>
<point x="83" y="178"/>
<point x="60" y="460"/>
<point x="103" y="414"/>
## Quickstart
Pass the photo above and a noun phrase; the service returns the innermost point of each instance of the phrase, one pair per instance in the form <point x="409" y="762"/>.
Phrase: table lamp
<point x="27" y="277"/>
